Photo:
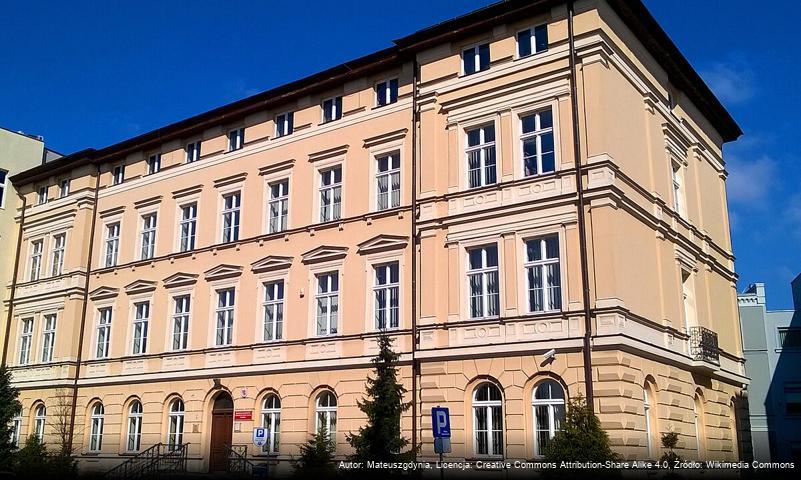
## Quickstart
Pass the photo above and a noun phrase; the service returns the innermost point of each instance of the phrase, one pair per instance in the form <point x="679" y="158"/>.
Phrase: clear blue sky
<point x="88" y="74"/>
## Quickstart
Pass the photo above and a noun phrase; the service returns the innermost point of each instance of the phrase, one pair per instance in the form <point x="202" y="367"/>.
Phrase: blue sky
<point x="88" y="74"/>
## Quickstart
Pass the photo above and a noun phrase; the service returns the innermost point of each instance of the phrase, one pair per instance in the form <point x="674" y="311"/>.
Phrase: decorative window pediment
<point x="381" y="243"/>
<point x="140" y="286"/>
<point x="222" y="271"/>
<point x="272" y="262"/>
<point x="324" y="253"/>
<point x="103" y="292"/>
<point x="179" y="279"/>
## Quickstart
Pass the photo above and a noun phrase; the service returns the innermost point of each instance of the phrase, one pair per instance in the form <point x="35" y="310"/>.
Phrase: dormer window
<point x="532" y="40"/>
<point x="332" y="109"/>
<point x="386" y="92"/>
<point x="475" y="59"/>
<point x="236" y="139"/>
<point x="284" y="124"/>
<point x="153" y="163"/>
<point x="118" y="175"/>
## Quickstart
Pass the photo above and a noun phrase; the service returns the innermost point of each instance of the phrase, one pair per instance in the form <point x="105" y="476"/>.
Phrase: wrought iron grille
<point x="151" y="463"/>
<point x="704" y="345"/>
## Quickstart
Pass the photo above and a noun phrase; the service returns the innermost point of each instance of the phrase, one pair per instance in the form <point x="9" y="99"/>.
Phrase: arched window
<point x="96" y="431"/>
<point x="327" y="414"/>
<point x="39" y="422"/>
<point x="134" y="426"/>
<point x="16" y="431"/>
<point x="271" y="421"/>
<point x="487" y="420"/>
<point x="700" y="426"/>
<point x="175" y="435"/>
<point x="651" y="427"/>
<point x="548" y="407"/>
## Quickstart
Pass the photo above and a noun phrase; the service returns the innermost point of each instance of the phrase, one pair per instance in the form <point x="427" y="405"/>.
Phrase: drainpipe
<point x="415" y="118"/>
<point x="84" y="308"/>
<point x="582" y="223"/>
<point x="14" y="282"/>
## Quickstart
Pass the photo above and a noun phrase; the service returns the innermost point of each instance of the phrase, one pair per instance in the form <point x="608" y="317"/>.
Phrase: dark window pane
<point x="524" y="43"/>
<point x="483" y="56"/>
<point x="541" y="37"/>
<point x="529" y="123"/>
<point x="473" y="137"/>
<point x="546" y="119"/>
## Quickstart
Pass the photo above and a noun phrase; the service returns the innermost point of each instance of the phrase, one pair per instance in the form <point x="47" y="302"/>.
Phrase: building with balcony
<point x="772" y="349"/>
<point x="524" y="178"/>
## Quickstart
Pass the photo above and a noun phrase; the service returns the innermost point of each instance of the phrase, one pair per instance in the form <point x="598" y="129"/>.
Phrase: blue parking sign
<point x="259" y="436"/>
<point x="441" y="422"/>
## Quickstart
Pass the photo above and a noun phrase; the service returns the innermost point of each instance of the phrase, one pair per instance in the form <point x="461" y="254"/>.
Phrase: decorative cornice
<point x="140" y="286"/>
<point x="383" y="242"/>
<point x="101" y="293"/>
<point x="180" y="279"/>
<point x="230" y="180"/>
<point x="277" y="167"/>
<point x="385" y="138"/>
<point x="331" y="152"/>
<point x="185" y="192"/>
<point x="271" y="262"/>
<point x="324" y="253"/>
<point x="222" y="271"/>
<point x="148" y="202"/>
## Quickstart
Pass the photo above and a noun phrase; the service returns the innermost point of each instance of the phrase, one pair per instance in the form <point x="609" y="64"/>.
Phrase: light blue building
<point x="772" y="347"/>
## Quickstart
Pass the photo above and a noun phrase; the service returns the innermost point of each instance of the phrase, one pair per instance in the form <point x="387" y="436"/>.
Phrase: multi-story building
<point x="233" y="269"/>
<point x="772" y="350"/>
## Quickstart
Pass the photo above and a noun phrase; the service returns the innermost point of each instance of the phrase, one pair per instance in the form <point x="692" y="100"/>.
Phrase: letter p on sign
<point x="441" y="422"/>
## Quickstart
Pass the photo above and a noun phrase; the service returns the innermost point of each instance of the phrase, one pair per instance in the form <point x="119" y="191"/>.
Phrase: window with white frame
<point x="112" y="244"/>
<point x="532" y="40"/>
<point x="25" y="340"/>
<point x="39" y="421"/>
<point x="134" y="437"/>
<point x="236" y="139"/>
<point x="543" y="274"/>
<point x="273" y="310"/>
<point x="225" y="317"/>
<point x="678" y="193"/>
<point x="284" y="124"/>
<point x="271" y="422"/>
<point x="232" y="205"/>
<point x="16" y="431"/>
<point x="59" y="242"/>
<point x="475" y="59"/>
<point x="41" y="197"/>
<point x="37" y="246"/>
<point x="388" y="181"/>
<point x="548" y="405"/>
<point x="688" y="300"/>
<point x="118" y="175"/>
<point x="482" y="278"/>
<point x="331" y="194"/>
<point x="327" y="300"/>
<point x="148" y="236"/>
<point x="386" y="92"/>
<point x="279" y="205"/>
<point x="180" y="322"/>
<point x="103" y="335"/>
<point x="153" y="163"/>
<point x="650" y="423"/>
<point x="192" y="150"/>
<point x="48" y="337"/>
<point x="487" y="420"/>
<point x="140" y="327"/>
<point x="96" y="429"/>
<point x="3" y="187"/>
<point x="175" y="431"/>
<point x="64" y="188"/>
<point x="188" y="227"/>
<point x="326" y="418"/>
<point x="537" y="143"/>
<point x="480" y="152"/>
<point x="386" y="289"/>
<point x="332" y="109"/>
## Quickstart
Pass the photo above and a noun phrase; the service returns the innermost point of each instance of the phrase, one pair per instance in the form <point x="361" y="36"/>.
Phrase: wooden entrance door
<point x="222" y="425"/>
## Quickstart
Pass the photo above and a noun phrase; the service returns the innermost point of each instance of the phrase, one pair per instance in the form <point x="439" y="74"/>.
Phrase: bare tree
<point x="62" y="411"/>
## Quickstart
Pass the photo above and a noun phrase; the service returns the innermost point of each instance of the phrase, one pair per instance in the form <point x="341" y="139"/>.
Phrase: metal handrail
<point x="151" y="462"/>
<point x="237" y="459"/>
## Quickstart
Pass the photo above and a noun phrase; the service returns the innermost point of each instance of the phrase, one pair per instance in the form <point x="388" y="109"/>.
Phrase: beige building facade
<point x="234" y="269"/>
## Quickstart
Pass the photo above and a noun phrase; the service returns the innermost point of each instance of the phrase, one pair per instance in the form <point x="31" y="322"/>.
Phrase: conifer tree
<point x="580" y="438"/>
<point x="316" y="456"/>
<point x="9" y="408"/>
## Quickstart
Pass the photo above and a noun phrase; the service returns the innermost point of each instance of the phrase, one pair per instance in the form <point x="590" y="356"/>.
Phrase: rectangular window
<point x="180" y="323"/>
<point x="148" y="236"/>
<point x="388" y="181"/>
<point x="3" y="187"/>
<point x="41" y="197"/>
<point x="538" y="143"/>
<point x="327" y="303"/>
<point x="25" y="340"/>
<point x="16" y="430"/>
<point x="225" y="317"/>
<point x="386" y="92"/>
<point x="112" y="244"/>
<point x="236" y="139"/>
<point x="118" y="175"/>
<point x="273" y="310"/>
<point x="141" y="320"/>
<point x="103" y="333"/>
<point x="279" y="206"/>
<point x="386" y="294"/>
<point x="59" y="242"/>
<point x="284" y="124"/>
<point x="331" y="194"/>
<point x="332" y="109"/>
<point x="188" y="227"/>
<point x="678" y="195"/>
<point x="792" y="398"/>
<point x="482" y="277"/>
<point x="48" y="337"/>
<point x="64" y="188"/>
<point x="192" y="151"/>
<point x="481" y="156"/>
<point x="232" y="204"/>
<point x="543" y="274"/>
<point x="475" y="59"/>
<point x="153" y="163"/>
<point x="532" y="40"/>
<point x="36" y="260"/>
<point x="790" y="337"/>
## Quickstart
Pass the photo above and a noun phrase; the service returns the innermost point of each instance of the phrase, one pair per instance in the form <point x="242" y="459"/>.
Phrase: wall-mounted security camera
<point x="550" y="354"/>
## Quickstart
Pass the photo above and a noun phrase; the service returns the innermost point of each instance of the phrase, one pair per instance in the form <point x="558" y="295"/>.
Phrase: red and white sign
<point x="243" y="415"/>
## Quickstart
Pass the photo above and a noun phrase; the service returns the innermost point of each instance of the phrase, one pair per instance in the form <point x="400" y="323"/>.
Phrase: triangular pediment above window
<point x="324" y="253"/>
<point x="103" y="292"/>
<point x="272" y="262"/>
<point x="222" y="271"/>
<point x="381" y="243"/>
<point x="180" y="279"/>
<point x="140" y="286"/>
